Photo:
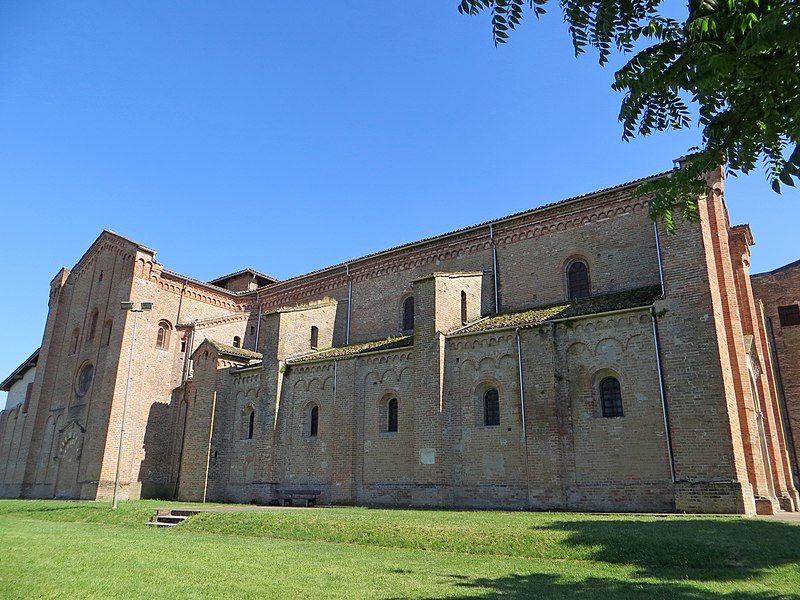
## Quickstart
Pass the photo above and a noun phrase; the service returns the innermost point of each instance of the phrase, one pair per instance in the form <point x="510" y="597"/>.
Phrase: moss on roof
<point x="355" y="349"/>
<point x="565" y="310"/>
<point x="233" y="351"/>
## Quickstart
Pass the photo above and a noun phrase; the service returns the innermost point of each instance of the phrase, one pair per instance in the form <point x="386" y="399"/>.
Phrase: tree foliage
<point x="737" y="60"/>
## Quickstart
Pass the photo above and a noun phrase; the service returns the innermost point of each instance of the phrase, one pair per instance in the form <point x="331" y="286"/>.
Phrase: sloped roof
<point x="565" y="310"/>
<point x="233" y="351"/>
<point x="355" y="349"/>
<point x="220" y="280"/>
<point x="20" y="371"/>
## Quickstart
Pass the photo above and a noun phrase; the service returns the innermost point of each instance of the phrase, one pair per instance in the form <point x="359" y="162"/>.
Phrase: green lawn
<point x="78" y="549"/>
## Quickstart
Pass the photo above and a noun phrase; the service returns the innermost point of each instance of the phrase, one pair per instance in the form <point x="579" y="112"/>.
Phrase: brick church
<point x="572" y="357"/>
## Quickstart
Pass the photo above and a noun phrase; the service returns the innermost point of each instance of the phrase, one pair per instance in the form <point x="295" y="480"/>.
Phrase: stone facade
<point x="574" y="357"/>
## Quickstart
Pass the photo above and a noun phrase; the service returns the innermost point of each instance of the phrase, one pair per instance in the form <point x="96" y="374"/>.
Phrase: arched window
<point x="248" y="422"/>
<point x="491" y="408"/>
<point x="391" y="421"/>
<point x="162" y="339"/>
<point x="73" y="346"/>
<point x="578" y="280"/>
<point x="314" y="337"/>
<point x="92" y="325"/>
<point x="237" y="341"/>
<point x="611" y="397"/>
<point x="106" y="339"/>
<point x="408" y="314"/>
<point x="313" y="421"/>
<point x="463" y="307"/>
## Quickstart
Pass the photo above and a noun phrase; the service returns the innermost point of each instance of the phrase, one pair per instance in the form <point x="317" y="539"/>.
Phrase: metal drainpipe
<point x="258" y="323"/>
<point x="522" y="409"/>
<point x="494" y="270"/>
<point x="187" y="357"/>
<point x="660" y="260"/>
<point x="664" y="409"/>
<point x="180" y="302"/>
<point x="349" y="304"/>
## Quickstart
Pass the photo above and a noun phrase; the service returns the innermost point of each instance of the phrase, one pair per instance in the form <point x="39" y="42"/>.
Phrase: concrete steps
<point x="167" y="517"/>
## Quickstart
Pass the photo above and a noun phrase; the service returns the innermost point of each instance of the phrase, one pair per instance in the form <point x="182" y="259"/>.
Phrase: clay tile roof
<point x="355" y="349"/>
<point x="565" y="310"/>
<point x="233" y="351"/>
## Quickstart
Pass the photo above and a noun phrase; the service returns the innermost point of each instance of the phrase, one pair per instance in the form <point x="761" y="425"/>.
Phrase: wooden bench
<point x="308" y="496"/>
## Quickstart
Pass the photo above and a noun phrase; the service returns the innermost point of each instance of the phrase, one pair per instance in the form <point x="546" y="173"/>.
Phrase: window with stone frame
<point x="491" y="407"/>
<point x="248" y="422"/>
<point x="162" y="338"/>
<point x="611" y="397"/>
<point x="314" y="337"/>
<point x="311" y="420"/>
<point x="578" y="285"/>
<point x="789" y="315"/>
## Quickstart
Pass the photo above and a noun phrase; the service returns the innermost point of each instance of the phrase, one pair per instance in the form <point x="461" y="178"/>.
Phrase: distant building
<point x="574" y="356"/>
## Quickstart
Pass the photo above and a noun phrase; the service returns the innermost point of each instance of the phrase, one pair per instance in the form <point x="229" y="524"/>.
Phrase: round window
<point x="84" y="379"/>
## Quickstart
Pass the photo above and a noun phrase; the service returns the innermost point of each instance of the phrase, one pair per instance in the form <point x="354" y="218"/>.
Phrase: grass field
<point x="51" y="549"/>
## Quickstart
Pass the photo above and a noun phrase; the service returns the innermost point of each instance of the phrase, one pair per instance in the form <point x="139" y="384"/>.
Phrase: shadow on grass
<point x="715" y="549"/>
<point x="542" y="587"/>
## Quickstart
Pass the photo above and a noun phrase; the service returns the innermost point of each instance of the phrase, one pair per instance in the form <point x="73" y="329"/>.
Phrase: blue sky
<point x="286" y="137"/>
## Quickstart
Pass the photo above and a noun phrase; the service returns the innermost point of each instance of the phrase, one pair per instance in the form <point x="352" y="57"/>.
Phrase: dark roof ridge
<point x="786" y="266"/>
<point x="484" y="224"/>
<point x="245" y="270"/>
<point x="20" y="371"/>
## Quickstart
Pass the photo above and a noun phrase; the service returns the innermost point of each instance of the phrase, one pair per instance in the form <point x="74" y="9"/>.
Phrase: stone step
<point x="167" y="518"/>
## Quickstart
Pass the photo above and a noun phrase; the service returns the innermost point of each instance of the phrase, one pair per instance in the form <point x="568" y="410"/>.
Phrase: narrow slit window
<point x="92" y="325"/>
<point x="408" y="314"/>
<point x="463" y="307"/>
<point x="491" y="408"/>
<point x="391" y="425"/>
<point x="314" y="337"/>
<point x="106" y="340"/>
<point x="313" y="425"/>
<point x="251" y="423"/>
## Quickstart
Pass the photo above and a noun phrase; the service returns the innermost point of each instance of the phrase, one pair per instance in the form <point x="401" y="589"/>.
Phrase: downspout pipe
<point x="522" y="411"/>
<point x="494" y="270"/>
<point x="664" y="407"/>
<point x="210" y="439"/>
<point x="660" y="260"/>
<point x="349" y="304"/>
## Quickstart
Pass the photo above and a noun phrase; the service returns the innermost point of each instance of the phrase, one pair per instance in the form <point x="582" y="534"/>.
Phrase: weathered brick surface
<point x="775" y="289"/>
<point x="712" y="438"/>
